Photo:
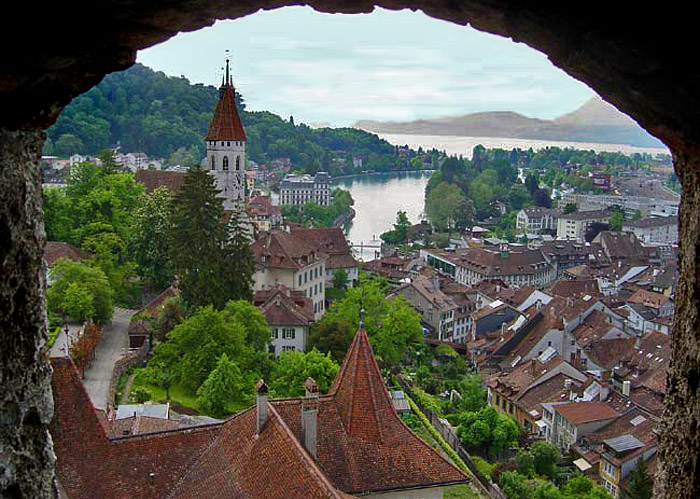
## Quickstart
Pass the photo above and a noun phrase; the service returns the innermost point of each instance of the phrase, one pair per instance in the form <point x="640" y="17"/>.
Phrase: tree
<point x="487" y="428"/>
<point x="546" y="456"/>
<point x="294" y="367"/>
<point x="224" y="384"/>
<point x="570" y="208"/>
<point x="641" y="485"/>
<point x="332" y="335"/>
<point x="442" y="203"/>
<point x="394" y="325"/>
<point x="340" y="278"/>
<point x="198" y="236"/>
<point x="518" y="196"/>
<point x="170" y="315"/>
<point x="616" y="220"/>
<point x="77" y="302"/>
<point x="465" y="214"/>
<point x="92" y="281"/>
<point x="150" y="241"/>
<point x="193" y="346"/>
<point x="525" y="463"/>
<point x="238" y="261"/>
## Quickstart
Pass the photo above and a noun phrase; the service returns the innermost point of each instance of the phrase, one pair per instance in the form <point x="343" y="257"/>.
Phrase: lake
<point x="377" y="199"/>
<point x="379" y="196"/>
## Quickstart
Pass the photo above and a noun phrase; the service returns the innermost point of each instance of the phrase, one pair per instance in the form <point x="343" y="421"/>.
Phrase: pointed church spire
<point x="226" y="123"/>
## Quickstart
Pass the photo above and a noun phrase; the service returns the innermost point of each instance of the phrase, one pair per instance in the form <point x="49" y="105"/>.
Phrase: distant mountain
<point x="595" y="121"/>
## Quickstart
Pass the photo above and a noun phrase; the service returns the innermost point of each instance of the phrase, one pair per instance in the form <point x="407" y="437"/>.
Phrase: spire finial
<point x="228" y="76"/>
<point x="362" y="319"/>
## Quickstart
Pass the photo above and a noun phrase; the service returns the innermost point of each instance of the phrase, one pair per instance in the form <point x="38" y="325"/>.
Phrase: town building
<point x="567" y="422"/>
<point x="296" y="190"/>
<point x="437" y="310"/>
<point x="226" y="142"/>
<point x="289" y="315"/>
<point x="347" y="443"/>
<point x="263" y="214"/>
<point x="574" y="225"/>
<point x="515" y="266"/>
<point x="630" y="204"/>
<point x="333" y="243"/>
<point x="655" y="229"/>
<point x="285" y="258"/>
<point x="536" y="220"/>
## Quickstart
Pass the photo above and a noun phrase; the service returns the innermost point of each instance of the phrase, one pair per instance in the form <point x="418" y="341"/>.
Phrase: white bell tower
<point x="226" y="142"/>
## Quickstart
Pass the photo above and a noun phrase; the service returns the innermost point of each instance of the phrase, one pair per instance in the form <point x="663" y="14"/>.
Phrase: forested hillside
<point x="148" y="111"/>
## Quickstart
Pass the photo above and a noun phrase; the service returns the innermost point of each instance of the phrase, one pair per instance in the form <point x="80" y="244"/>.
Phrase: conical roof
<point x="226" y="123"/>
<point x="362" y="399"/>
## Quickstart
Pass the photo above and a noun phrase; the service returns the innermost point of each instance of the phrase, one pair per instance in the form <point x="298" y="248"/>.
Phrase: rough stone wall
<point x="679" y="433"/>
<point x="26" y="404"/>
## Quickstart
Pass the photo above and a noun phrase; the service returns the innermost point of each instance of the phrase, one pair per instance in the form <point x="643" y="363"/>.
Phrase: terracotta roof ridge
<point x="195" y="460"/>
<point x="304" y="454"/>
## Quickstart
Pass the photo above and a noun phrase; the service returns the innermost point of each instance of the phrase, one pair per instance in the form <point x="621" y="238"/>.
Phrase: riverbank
<point x="364" y="174"/>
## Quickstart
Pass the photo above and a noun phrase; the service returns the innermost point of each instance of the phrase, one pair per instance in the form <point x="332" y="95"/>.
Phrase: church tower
<point x="226" y="147"/>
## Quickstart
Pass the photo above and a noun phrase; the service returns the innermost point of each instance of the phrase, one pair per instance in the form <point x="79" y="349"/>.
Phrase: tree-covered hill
<point x="147" y="111"/>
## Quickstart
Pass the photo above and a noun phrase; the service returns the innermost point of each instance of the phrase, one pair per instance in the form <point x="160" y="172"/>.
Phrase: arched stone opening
<point x="634" y="59"/>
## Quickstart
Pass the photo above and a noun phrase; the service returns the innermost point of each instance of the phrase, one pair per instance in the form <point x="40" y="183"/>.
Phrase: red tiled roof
<point x="283" y="307"/>
<point x="586" y="412"/>
<point x="648" y="298"/>
<point x="55" y="250"/>
<point x="280" y="249"/>
<point x="226" y="123"/>
<point x="91" y="465"/>
<point x="330" y="241"/>
<point x="153" y="179"/>
<point x="363" y="446"/>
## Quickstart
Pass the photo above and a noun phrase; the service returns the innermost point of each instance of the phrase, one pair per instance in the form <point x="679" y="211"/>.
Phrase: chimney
<point x="604" y="392"/>
<point x="261" y="390"/>
<point x="626" y="388"/>
<point x="309" y="413"/>
<point x="533" y="367"/>
<point x="578" y="359"/>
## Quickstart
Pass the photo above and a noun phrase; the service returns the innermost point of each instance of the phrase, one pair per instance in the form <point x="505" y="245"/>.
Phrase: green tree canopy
<point x="332" y="335"/>
<point x="150" y="238"/>
<point x="78" y="288"/>
<point x="293" y="368"/>
<point x="224" y="384"/>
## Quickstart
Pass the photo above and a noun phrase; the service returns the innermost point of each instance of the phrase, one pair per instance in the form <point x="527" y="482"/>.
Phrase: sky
<point x="335" y="69"/>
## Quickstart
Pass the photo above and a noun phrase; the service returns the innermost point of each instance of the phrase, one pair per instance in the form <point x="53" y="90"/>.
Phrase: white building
<point x="226" y="141"/>
<point x="289" y="315"/>
<point x="535" y="219"/>
<point x="574" y="225"/>
<point x="654" y="230"/>
<point x="297" y="190"/>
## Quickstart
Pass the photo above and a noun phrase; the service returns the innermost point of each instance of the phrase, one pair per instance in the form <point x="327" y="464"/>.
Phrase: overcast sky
<point x="337" y="69"/>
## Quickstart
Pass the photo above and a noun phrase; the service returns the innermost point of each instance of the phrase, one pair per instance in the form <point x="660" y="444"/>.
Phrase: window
<point x="288" y="333"/>
<point x="225" y="163"/>
<point x="288" y="348"/>
<point x="299" y="279"/>
<point x="213" y="162"/>
<point x="275" y="334"/>
<point x="228" y="144"/>
<point x="238" y="162"/>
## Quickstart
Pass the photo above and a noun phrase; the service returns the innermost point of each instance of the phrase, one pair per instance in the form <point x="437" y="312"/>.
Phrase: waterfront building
<point x="514" y="266"/>
<point x="296" y="190"/>
<point x="630" y="204"/>
<point x="226" y="143"/>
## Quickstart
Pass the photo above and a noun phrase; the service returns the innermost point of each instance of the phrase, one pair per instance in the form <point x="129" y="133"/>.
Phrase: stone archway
<point x="634" y="59"/>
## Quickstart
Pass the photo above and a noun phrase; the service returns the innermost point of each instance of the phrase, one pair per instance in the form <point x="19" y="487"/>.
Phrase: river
<point x="379" y="196"/>
<point x="377" y="199"/>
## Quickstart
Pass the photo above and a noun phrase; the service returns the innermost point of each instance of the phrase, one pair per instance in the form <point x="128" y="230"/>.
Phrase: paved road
<point x="60" y="346"/>
<point x="114" y="345"/>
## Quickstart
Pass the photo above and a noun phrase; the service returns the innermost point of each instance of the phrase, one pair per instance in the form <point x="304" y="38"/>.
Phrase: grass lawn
<point x="460" y="492"/>
<point x="184" y="397"/>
